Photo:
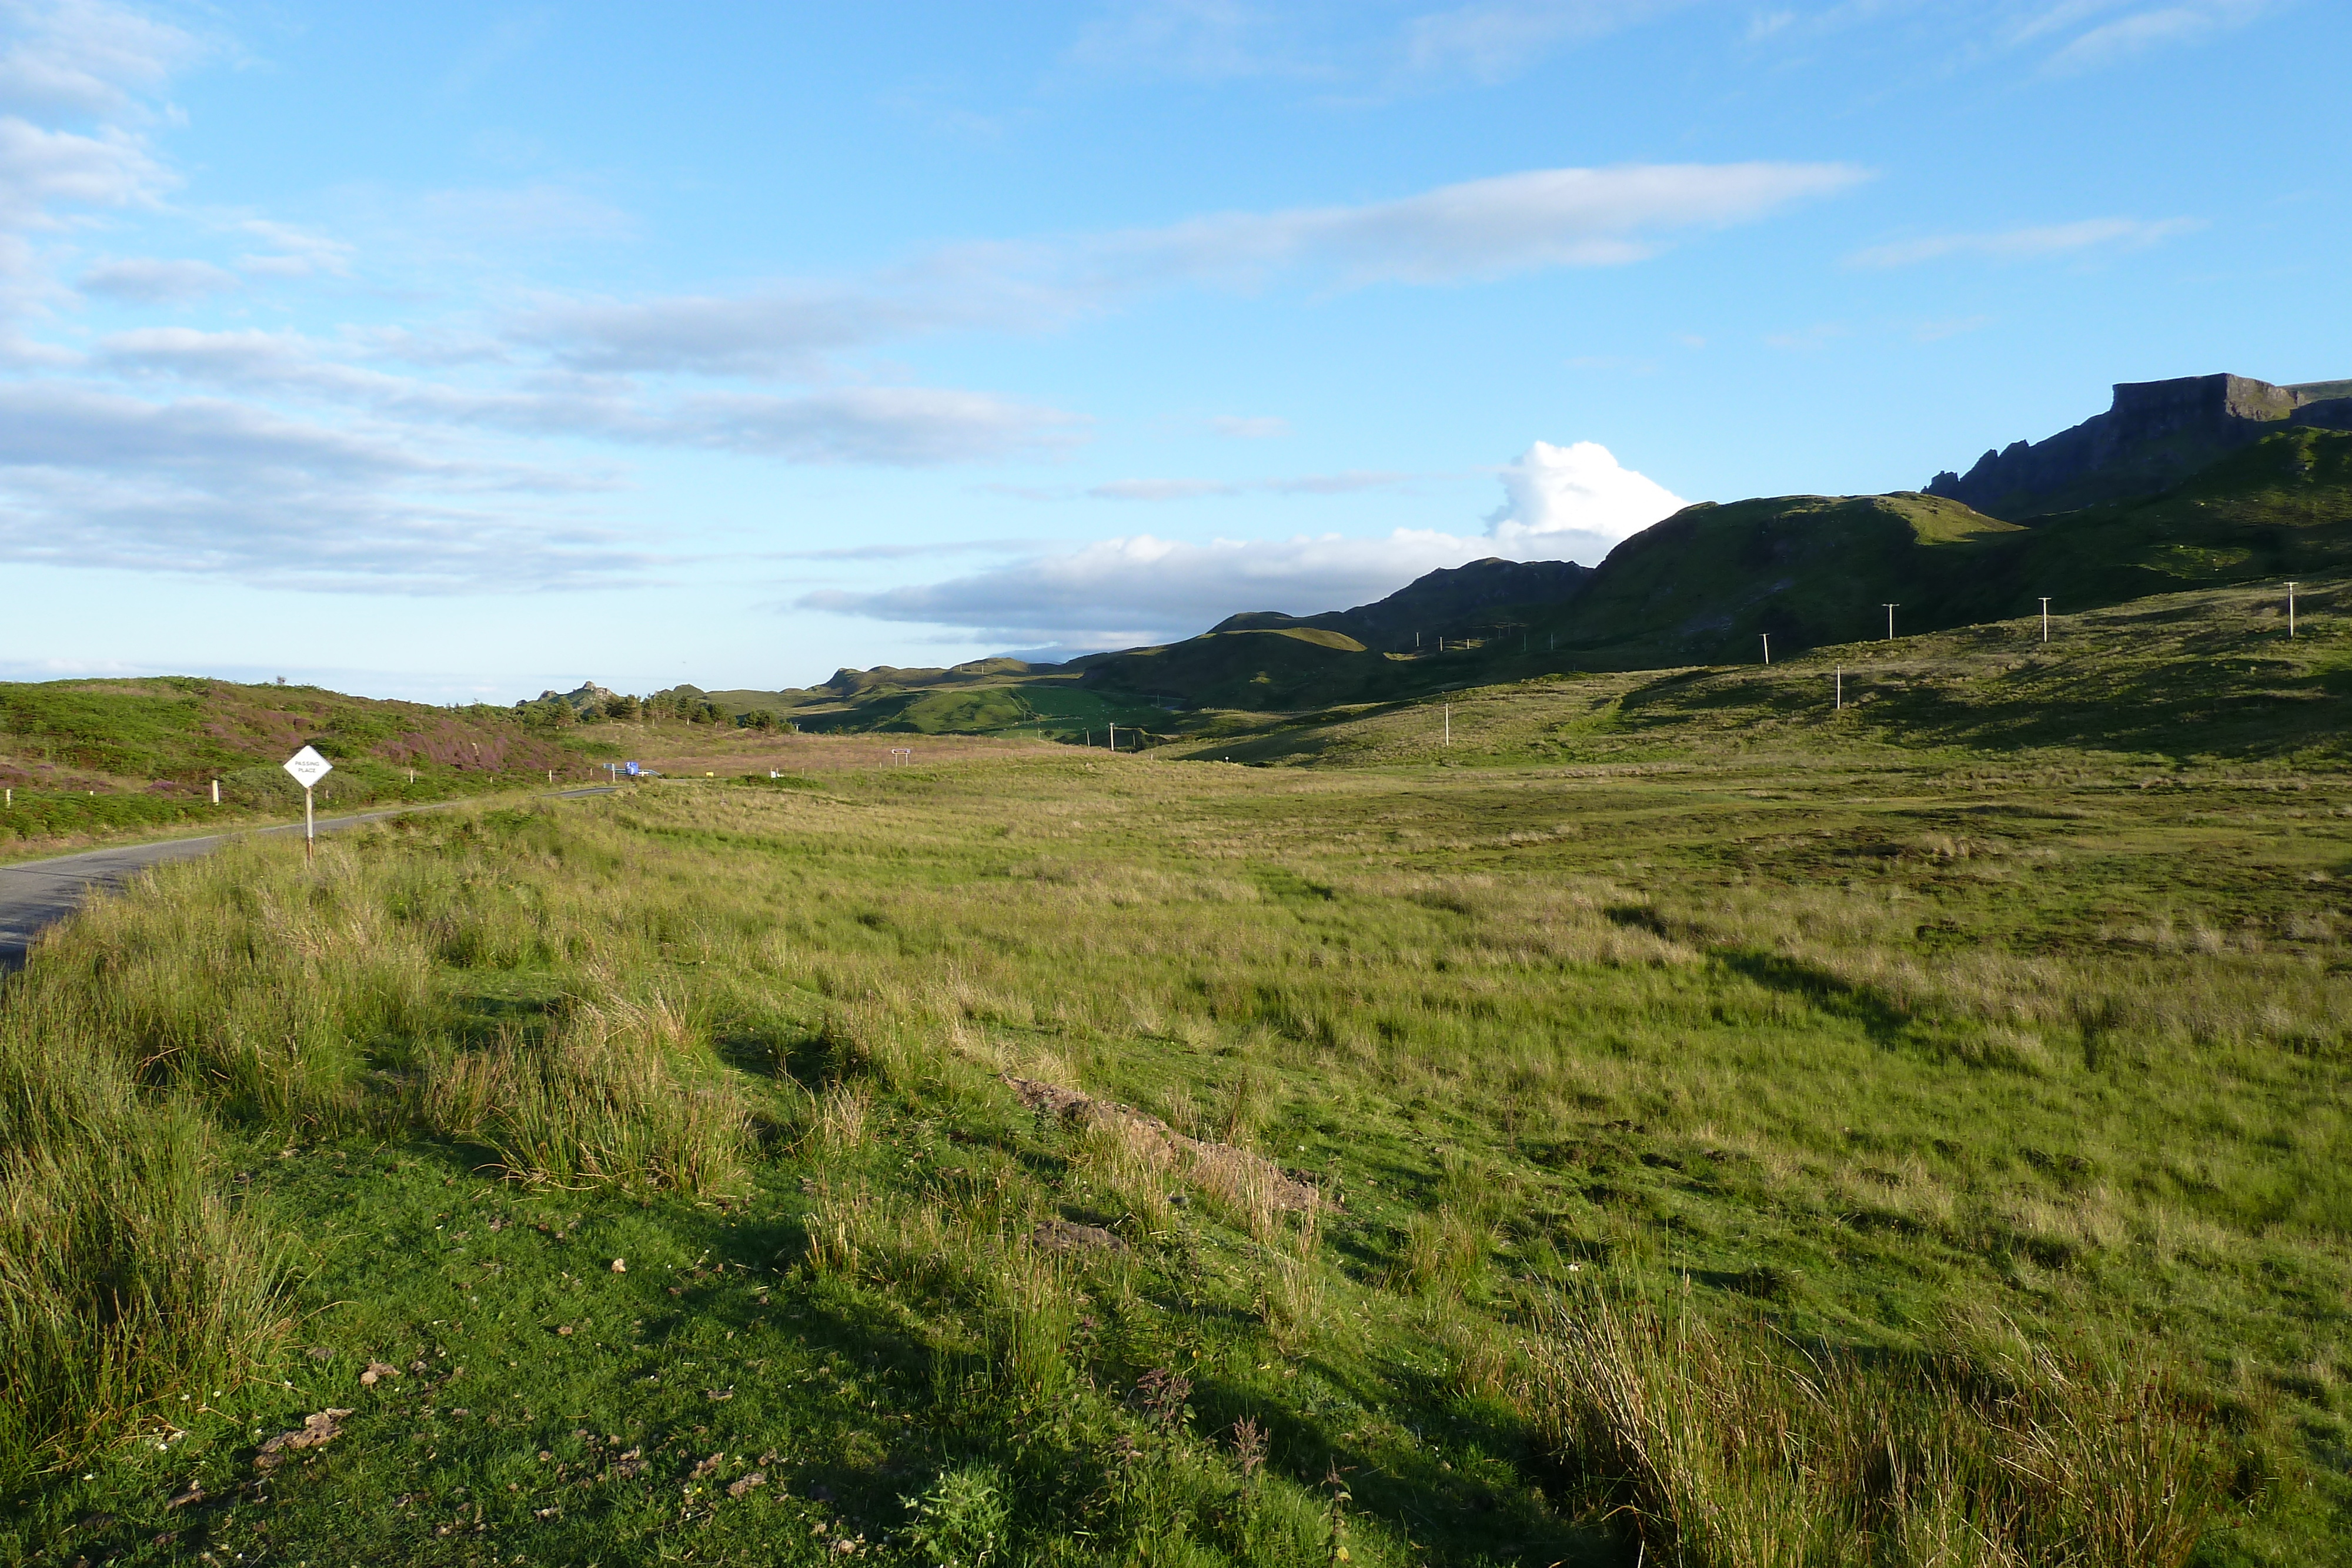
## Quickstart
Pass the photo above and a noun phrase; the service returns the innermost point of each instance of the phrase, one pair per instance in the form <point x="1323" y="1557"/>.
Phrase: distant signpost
<point x="307" y="767"/>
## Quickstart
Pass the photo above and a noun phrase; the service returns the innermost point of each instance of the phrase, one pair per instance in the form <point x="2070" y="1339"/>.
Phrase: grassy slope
<point x="2209" y="675"/>
<point x="1852" y="1035"/>
<point x="93" y="760"/>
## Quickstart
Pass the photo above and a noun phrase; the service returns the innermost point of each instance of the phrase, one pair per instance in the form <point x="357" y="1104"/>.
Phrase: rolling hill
<point x="85" y="757"/>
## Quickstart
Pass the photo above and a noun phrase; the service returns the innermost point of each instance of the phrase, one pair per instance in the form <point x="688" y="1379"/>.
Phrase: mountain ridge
<point x="2154" y="435"/>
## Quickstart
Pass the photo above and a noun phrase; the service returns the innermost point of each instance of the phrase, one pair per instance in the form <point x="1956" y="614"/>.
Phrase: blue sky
<point x="455" y="351"/>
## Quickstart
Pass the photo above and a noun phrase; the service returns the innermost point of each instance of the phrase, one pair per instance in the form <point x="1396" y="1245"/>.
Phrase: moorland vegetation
<point x="1697" y="1128"/>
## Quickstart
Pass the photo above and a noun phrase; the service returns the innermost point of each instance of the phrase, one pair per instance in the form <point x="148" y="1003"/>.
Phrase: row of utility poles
<point x="1892" y="607"/>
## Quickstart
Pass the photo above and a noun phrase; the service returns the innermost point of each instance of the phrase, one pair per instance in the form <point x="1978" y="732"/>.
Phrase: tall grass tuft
<point x="124" y="1277"/>
<point x="1729" y="1446"/>
<point x="623" y="1092"/>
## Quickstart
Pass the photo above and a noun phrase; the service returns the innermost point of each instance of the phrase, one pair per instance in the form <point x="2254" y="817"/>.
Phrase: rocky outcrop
<point x="586" y="695"/>
<point x="2155" y="434"/>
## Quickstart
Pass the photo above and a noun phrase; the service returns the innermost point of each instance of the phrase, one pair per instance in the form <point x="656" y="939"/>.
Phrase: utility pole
<point x="2290" y="610"/>
<point x="1890" y="622"/>
<point x="1768" y="647"/>
<point x="2045" y="618"/>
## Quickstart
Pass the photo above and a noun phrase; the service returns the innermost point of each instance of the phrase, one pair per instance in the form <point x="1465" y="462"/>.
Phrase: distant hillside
<point x="2208" y="674"/>
<point x="1704" y="586"/>
<point x="1461" y="601"/>
<point x="2154" y="436"/>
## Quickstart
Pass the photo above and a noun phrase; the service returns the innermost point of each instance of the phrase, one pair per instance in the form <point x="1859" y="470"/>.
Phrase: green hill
<point x="1705" y="586"/>
<point x="85" y="757"/>
<point x="2207" y="676"/>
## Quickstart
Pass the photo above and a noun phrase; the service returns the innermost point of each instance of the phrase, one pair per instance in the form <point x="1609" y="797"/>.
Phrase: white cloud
<point x="2029" y="243"/>
<point x="2152" y="26"/>
<point x="1475" y="231"/>
<point x="150" y="280"/>
<point x="40" y="169"/>
<point x="1295" y="484"/>
<point x="1247" y="427"/>
<point x="83" y="58"/>
<point x="1574" y="503"/>
<point x="1498" y="39"/>
<point x="1199" y="40"/>
<point x="905" y="426"/>
<point x="90" y="478"/>
<point x="1571" y="502"/>
<point x="1485" y="41"/>
<point x="891" y="426"/>
<point x="1124" y="591"/>
<point x="294" y="252"/>
<point x="779" y="331"/>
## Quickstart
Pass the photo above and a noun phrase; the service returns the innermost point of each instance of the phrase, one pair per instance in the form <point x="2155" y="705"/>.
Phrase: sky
<point x="458" y="352"/>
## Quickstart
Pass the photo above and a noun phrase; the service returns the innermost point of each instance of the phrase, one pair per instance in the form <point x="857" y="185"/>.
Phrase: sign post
<point x="307" y="767"/>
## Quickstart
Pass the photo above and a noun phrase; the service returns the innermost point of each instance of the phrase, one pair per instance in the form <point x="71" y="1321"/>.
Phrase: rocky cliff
<point x="2155" y="434"/>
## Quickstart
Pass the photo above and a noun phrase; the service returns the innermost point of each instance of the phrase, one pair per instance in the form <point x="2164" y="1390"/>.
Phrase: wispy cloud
<point x="888" y="425"/>
<point x="1498" y="39"/>
<point x="905" y="551"/>
<point x="1482" y="42"/>
<point x="149" y="280"/>
<point x="1298" y="484"/>
<point x="86" y="57"/>
<point x="1574" y="502"/>
<point x="205" y="487"/>
<point x="1123" y="591"/>
<point x="42" y="170"/>
<point x="1476" y="231"/>
<point x="2029" y="244"/>
<point x="1250" y="427"/>
<point x="2146" y="28"/>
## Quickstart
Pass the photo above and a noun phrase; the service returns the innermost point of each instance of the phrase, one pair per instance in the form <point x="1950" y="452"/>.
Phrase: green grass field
<point x="1700" y="1128"/>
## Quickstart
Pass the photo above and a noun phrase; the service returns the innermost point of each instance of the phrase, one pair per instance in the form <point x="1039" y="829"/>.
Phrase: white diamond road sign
<point x="308" y="766"/>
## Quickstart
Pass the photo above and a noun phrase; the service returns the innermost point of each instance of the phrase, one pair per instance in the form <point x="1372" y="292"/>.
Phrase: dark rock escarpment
<point x="2155" y="434"/>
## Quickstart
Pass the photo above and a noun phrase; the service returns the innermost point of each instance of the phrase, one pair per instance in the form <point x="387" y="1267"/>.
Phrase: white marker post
<point x="2290" y="610"/>
<point x="1449" y="724"/>
<point x="2045" y="619"/>
<point x="1768" y="647"/>
<point x="307" y="767"/>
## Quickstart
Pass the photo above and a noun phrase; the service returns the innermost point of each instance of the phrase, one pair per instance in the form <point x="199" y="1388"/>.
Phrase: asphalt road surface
<point x="36" y="894"/>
